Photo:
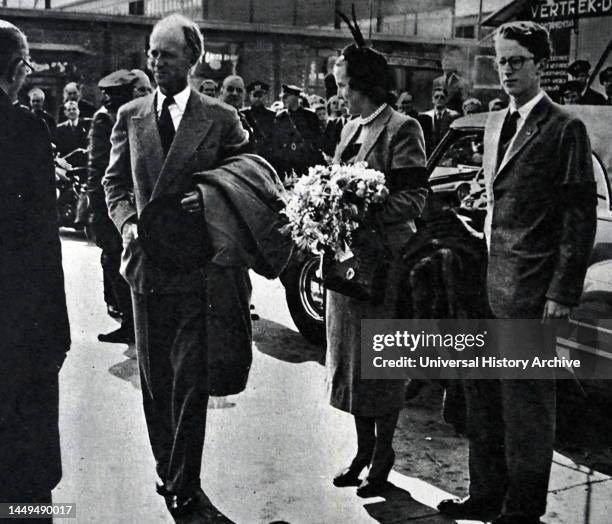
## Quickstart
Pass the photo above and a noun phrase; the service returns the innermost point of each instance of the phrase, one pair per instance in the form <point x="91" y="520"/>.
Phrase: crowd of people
<point x="181" y="152"/>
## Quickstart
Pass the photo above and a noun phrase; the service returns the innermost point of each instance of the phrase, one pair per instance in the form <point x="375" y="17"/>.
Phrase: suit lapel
<point x="374" y="131"/>
<point x="528" y="131"/>
<point x="193" y="128"/>
<point x="148" y="142"/>
<point x="345" y="140"/>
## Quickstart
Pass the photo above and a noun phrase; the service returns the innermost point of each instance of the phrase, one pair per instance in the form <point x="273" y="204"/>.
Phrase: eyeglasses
<point x="515" y="62"/>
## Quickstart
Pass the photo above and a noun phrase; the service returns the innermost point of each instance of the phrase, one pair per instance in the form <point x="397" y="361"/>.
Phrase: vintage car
<point x="456" y="177"/>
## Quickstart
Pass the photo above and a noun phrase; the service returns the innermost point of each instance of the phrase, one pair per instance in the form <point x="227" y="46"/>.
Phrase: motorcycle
<point x="70" y="172"/>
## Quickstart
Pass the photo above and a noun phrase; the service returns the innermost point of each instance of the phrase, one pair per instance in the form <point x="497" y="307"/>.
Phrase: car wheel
<point x="306" y="299"/>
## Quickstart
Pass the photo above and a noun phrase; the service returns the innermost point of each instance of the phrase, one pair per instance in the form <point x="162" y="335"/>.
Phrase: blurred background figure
<point x="232" y="91"/>
<point x="333" y="107"/>
<point x="497" y="104"/>
<point x="579" y="71"/>
<point x="36" y="97"/>
<point x="405" y="105"/>
<point x="297" y="139"/>
<point x="277" y="106"/>
<point x="304" y="102"/>
<point x="344" y="108"/>
<point x="141" y="85"/>
<point x="451" y="80"/>
<point x="117" y="89"/>
<point x="72" y="133"/>
<point x="605" y="79"/>
<point x="570" y="92"/>
<point x="209" y="87"/>
<point x="72" y="92"/>
<point x="472" y="106"/>
<point x="331" y="88"/>
<point x="321" y="112"/>
<point x="440" y="119"/>
<point x="260" y="119"/>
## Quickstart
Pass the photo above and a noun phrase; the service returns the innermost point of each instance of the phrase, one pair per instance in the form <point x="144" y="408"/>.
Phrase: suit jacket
<point x="67" y="138"/>
<point x="541" y="216"/>
<point x="34" y="329"/>
<point x="439" y="126"/>
<point x="86" y="111"/>
<point x="592" y="98"/>
<point x="456" y="86"/>
<point x="137" y="173"/>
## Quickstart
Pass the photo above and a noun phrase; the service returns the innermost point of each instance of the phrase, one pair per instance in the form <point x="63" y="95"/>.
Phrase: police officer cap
<point x="605" y="75"/>
<point x="291" y="90"/>
<point x="258" y="86"/>
<point x="579" y="67"/>
<point x="119" y="78"/>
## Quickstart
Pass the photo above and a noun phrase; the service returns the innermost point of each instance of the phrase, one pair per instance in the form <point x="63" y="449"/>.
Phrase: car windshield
<point x="465" y="151"/>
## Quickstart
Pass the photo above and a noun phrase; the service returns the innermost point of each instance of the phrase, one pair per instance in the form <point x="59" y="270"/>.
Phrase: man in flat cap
<point x="297" y="141"/>
<point x="34" y="327"/>
<point x="579" y="71"/>
<point x="605" y="79"/>
<point x="260" y="119"/>
<point x="118" y="88"/>
<point x="181" y="318"/>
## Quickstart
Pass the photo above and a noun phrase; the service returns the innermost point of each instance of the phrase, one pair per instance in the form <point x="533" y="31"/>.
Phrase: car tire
<point x="306" y="299"/>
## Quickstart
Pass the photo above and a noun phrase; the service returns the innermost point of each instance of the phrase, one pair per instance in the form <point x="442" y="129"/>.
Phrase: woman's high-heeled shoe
<point x="375" y="483"/>
<point x="349" y="476"/>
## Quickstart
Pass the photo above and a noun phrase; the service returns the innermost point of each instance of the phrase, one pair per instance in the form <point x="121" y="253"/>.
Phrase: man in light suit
<point x="158" y="142"/>
<point x="540" y="227"/>
<point x="436" y="122"/>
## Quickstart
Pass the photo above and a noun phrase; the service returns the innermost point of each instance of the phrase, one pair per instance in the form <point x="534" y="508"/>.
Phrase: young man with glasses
<point x="540" y="228"/>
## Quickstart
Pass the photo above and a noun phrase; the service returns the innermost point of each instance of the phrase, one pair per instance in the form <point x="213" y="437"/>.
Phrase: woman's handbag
<point x="363" y="274"/>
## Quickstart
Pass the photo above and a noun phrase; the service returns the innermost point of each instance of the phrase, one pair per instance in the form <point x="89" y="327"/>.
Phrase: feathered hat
<point x="365" y="66"/>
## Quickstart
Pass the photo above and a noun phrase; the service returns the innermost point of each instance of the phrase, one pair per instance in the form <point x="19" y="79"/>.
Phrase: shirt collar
<point x="180" y="99"/>
<point x="526" y="108"/>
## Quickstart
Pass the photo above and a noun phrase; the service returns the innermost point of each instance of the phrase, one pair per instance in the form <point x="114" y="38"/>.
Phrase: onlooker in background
<point x="605" y="79"/>
<point x="37" y="106"/>
<point x="331" y="88"/>
<point x="315" y="100"/>
<point x="141" y="86"/>
<point x="34" y="327"/>
<point x="440" y="118"/>
<point x="304" y="102"/>
<point x="497" y="104"/>
<point x="118" y="88"/>
<point x="455" y="85"/>
<point x="73" y="92"/>
<point x="333" y="107"/>
<point x="260" y="119"/>
<point x="209" y="87"/>
<point x="344" y="108"/>
<point x="570" y="92"/>
<point x="579" y="71"/>
<point x="72" y="133"/>
<point x="232" y="91"/>
<point x="321" y="112"/>
<point x="472" y="106"/>
<point x="297" y="140"/>
<point x="277" y="106"/>
<point x="405" y="105"/>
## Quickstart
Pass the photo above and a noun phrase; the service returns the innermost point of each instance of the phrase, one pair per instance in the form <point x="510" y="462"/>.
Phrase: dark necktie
<point x="165" y="125"/>
<point x="507" y="133"/>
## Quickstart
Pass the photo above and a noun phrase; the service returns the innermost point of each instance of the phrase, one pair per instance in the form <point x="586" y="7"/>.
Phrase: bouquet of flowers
<point x="329" y="203"/>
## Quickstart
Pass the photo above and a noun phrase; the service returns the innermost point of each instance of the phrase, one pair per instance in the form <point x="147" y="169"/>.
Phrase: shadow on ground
<point x="282" y="343"/>
<point x="399" y="506"/>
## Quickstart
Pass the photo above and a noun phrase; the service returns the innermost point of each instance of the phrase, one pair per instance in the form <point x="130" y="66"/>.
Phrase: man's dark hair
<point x="11" y="41"/>
<point x="530" y="35"/>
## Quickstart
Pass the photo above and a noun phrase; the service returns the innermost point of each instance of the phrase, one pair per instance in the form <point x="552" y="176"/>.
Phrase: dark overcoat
<point x="394" y="145"/>
<point x="34" y="329"/>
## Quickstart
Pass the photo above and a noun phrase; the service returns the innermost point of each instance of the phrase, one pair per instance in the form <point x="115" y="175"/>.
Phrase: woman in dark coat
<point x="393" y="144"/>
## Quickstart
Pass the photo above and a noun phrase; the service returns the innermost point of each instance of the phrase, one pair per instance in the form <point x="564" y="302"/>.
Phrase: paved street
<point x="271" y="451"/>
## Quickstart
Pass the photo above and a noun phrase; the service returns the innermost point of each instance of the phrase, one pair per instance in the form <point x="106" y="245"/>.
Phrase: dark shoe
<point x="119" y="336"/>
<point x="372" y="488"/>
<point x="503" y="519"/>
<point x="180" y="506"/>
<point x="469" y="509"/>
<point x="347" y="477"/>
<point x="114" y="312"/>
